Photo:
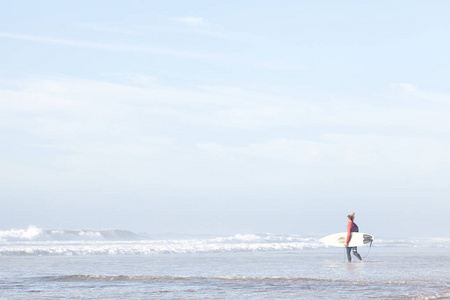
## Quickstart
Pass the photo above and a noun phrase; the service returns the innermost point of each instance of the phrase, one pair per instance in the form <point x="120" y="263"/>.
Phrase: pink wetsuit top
<point x="351" y="227"/>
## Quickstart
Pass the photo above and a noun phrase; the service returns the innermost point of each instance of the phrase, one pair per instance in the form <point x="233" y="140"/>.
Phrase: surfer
<point x="351" y="227"/>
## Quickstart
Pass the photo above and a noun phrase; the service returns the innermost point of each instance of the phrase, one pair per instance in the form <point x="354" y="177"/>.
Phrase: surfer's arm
<point x="349" y="234"/>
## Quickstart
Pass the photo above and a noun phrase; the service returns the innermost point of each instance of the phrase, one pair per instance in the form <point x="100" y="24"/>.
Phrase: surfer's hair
<point x="351" y="216"/>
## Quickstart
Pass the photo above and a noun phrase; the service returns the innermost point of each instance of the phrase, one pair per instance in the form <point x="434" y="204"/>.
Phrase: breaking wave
<point x="35" y="241"/>
<point x="33" y="233"/>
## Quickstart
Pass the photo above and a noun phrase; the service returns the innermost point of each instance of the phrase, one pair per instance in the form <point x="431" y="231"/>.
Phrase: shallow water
<point x="320" y="273"/>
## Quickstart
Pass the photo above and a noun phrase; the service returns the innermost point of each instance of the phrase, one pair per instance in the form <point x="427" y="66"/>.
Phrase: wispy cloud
<point x="228" y="107"/>
<point x="132" y="78"/>
<point x="189" y="20"/>
<point x="84" y="125"/>
<point x="413" y="92"/>
<point x="270" y="65"/>
<point x="106" y="28"/>
<point x="109" y="47"/>
<point x="342" y="150"/>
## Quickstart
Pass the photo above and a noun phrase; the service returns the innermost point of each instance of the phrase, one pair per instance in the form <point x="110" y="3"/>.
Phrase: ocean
<point x="115" y="264"/>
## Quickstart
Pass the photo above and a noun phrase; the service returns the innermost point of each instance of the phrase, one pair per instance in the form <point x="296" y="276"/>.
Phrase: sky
<point x="225" y="117"/>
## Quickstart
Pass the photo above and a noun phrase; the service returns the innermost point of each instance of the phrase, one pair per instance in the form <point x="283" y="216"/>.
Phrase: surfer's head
<point x="351" y="216"/>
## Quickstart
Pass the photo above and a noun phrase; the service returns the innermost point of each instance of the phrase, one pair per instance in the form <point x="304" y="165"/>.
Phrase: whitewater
<point x="41" y="263"/>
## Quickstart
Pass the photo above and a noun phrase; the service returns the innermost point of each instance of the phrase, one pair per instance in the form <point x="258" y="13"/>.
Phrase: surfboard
<point x="338" y="239"/>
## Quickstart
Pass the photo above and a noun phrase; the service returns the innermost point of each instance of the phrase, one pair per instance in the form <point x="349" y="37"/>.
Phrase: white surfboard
<point x="338" y="239"/>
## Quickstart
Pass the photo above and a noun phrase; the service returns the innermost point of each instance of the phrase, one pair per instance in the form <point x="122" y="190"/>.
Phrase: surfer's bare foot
<point x="361" y="261"/>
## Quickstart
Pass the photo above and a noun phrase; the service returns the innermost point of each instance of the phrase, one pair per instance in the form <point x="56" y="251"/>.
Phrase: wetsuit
<point x="352" y="227"/>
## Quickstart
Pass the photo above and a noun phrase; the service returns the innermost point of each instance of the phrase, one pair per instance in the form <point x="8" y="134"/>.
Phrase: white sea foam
<point x="145" y="247"/>
<point x="415" y="242"/>
<point x="37" y="241"/>
<point x="33" y="233"/>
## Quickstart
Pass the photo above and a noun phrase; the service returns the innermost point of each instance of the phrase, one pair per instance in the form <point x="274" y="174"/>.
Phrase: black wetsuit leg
<point x="355" y="253"/>
<point x="349" y="257"/>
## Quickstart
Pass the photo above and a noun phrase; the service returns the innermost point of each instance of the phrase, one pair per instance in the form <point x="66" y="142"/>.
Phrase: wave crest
<point x="36" y="241"/>
<point x="33" y="233"/>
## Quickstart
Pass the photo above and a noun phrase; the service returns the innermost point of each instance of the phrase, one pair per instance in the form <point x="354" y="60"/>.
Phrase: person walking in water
<point x="351" y="227"/>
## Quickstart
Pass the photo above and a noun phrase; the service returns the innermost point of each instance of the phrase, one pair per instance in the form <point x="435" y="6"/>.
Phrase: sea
<point x="38" y="263"/>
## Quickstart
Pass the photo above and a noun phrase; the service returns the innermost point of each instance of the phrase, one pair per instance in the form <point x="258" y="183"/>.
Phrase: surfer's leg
<point x="349" y="257"/>
<point x="355" y="253"/>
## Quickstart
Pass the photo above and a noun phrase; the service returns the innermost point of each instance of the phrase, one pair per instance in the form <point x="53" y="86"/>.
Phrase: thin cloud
<point x="132" y="78"/>
<point x="229" y="108"/>
<point x="342" y="150"/>
<point x="410" y="91"/>
<point x="106" y="28"/>
<point x="109" y="47"/>
<point x="190" y="20"/>
<point x="278" y="66"/>
<point x="93" y="123"/>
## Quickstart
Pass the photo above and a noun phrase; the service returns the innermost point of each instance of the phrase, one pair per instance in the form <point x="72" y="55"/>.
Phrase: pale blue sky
<point x="225" y="116"/>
